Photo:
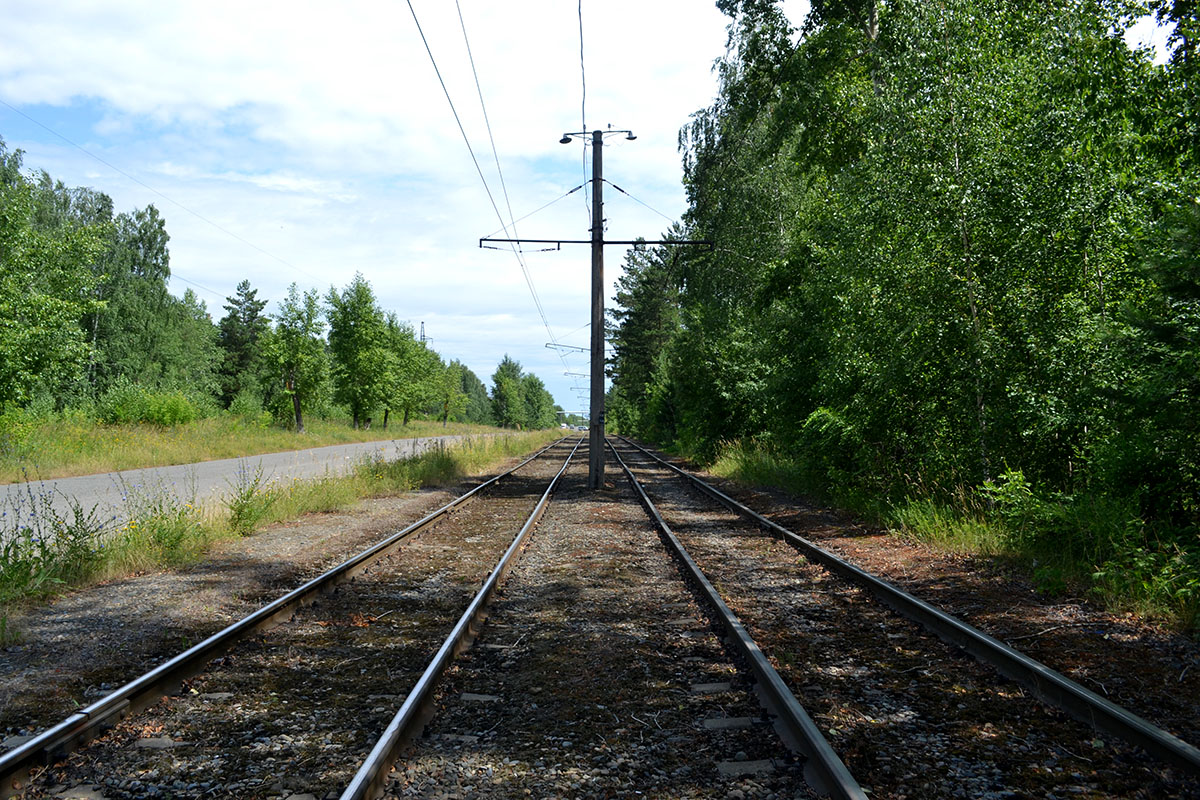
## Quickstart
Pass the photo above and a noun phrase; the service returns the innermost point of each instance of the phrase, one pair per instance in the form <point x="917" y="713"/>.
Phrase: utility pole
<point x="596" y="422"/>
<point x="596" y="413"/>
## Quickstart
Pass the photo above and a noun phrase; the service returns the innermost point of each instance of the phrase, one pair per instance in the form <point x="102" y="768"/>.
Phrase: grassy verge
<point x="67" y="446"/>
<point x="1096" y="545"/>
<point x="44" y="552"/>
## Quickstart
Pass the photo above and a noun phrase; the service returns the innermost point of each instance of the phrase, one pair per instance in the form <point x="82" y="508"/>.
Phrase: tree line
<point x="957" y="257"/>
<point x="87" y="321"/>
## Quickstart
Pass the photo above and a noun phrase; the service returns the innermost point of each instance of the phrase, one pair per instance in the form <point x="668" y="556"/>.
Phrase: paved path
<point x="204" y="482"/>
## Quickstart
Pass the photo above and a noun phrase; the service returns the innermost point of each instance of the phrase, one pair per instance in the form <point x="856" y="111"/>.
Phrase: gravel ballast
<point x="597" y="674"/>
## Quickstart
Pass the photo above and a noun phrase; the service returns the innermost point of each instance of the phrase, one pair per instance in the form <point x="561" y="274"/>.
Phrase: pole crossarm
<point x="626" y="242"/>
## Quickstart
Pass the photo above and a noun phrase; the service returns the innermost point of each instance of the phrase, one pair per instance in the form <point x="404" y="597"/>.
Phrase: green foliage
<point x="358" y="343"/>
<point x="141" y="331"/>
<point x="449" y="399"/>
<point x="248" y="405"/>
<point x="508" y="405"/>
<point x="1166" y="577"/>
<point x="249" y="500"/>
<point x="520" y="400"/>
<point x="476" y="406"/>
<point x="297" y="357"/>
<point x="41" y="551"/>
<point x="539" y="404"/>
<point x="44" y="287"/>
<point x="955" y="268"/>
<point x="413" y="371"/>
<point x="160" y="528"/>
<point x="240" y="335"/>
<point x="126" y="402"/>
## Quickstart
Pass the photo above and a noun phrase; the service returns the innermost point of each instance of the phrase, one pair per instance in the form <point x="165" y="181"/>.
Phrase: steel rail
<point x="823" y="769"/>
<point x="88" y="722"/>
<point x="372" y="776"/>
<point x="1046" y="684"/>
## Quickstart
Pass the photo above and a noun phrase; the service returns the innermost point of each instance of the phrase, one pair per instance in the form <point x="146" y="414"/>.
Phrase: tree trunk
<point x="291" y="385"/>
<point x="386" y="413"/>
<point x="406" y="417"/>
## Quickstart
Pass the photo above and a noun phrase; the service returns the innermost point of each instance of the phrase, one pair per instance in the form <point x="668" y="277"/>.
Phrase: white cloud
<point x="318" y="134"/>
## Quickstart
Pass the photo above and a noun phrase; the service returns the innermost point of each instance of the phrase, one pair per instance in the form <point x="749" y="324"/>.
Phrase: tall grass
<point x="72" y="443"/>
<point x="1095" y="544"/>
<point x="44" y="552"/>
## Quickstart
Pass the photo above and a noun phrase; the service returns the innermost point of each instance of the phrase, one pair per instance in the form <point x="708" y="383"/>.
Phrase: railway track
<point x="623" y="657"/>
<point x="910" y="714"/>
<point x="296" y="705"/>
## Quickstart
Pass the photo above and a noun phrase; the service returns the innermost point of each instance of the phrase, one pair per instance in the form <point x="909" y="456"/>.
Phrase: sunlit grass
<point x="70" y="446"/>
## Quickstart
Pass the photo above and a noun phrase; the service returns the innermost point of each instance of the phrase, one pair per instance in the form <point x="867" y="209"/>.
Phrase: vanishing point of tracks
<point x="604" y="669"/>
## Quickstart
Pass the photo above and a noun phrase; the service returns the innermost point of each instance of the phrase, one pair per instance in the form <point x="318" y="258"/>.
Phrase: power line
<point x="479" y="170"/>
<point x="583" y="111"/>
<point x="562" y="196"/>
<point x="174" y="202"/>
<point x="198" y="286"/>
<point x="499" y="172"/>
<point x="639" y="202"/>
<point x="487" y="122"/>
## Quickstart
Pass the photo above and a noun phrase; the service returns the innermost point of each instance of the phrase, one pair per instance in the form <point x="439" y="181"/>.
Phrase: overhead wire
<point x="500" y="173"/>
<point x="201" y="287"/>
<point x="639" y="202"/>
<point x="170" y="200"/>
<point x="478" y="169"/>
<point x="562" y="196"/>
<point x="587" y="203"/>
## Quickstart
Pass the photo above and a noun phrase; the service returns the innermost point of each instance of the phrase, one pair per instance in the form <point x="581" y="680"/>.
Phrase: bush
<point x="247" y="404"/>
<point x="127" y="403"/>
<point x="249" y="501"/>
<point x="1166" y="577"/>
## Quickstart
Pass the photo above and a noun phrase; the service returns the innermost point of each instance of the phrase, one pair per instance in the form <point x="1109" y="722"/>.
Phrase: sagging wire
<point x="639" y="202"/>
<point x="537" y="301"/>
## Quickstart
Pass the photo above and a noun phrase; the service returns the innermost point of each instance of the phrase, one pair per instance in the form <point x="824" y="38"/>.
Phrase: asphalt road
<point x="201" y="483"/>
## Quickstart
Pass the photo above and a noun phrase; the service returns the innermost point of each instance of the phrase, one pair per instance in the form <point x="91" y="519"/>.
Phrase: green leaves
<point x="296" y="351"/>
<point x="927" y="219"/>
<point x="357" y="341"/>
<point x="45" y="282"/>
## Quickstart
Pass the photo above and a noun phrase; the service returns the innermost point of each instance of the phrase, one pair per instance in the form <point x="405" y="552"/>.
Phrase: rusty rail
<point x="87" y="723"/>
<point x="823" y="770"/>
<point x="1046" y="684"/>
<point x="372" y="776"/>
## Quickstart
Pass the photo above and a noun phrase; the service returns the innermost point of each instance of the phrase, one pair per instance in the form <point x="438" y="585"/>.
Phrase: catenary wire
<point x="562" y="196"/>
<point x="201" y="287"/>
<point x="639" y="202"/>
<point x="583" y="114"/>
<point x="499" y="172"/>
<point x="479" y="170"/>
<point x="491" y="198"/>
<point x="486" y="121"/>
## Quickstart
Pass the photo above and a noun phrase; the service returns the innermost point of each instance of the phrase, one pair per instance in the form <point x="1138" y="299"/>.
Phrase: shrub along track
<point x="300" y="705"/>
<point x="910" y="716"/>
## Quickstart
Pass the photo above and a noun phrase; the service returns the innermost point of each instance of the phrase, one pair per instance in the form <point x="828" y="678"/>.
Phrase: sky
<point x="304" y="142"/>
